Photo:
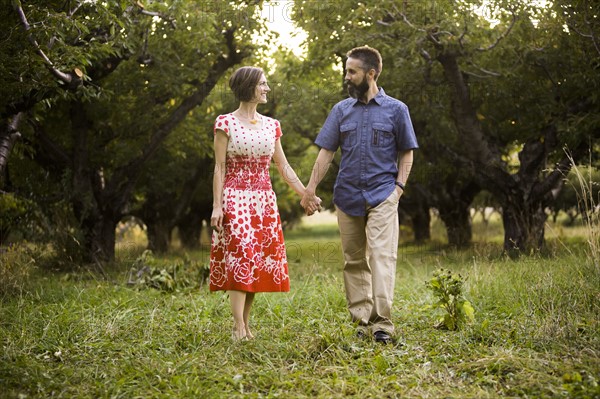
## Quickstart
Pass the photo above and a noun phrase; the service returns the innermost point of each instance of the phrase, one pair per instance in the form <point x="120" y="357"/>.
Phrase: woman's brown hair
<point x="243" y="82"/>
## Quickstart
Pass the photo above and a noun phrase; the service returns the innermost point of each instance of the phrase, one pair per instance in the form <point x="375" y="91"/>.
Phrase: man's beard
<point x="357" y="91"/>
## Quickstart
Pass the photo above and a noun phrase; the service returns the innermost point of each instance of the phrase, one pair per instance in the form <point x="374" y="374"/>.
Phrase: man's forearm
<point x="319" y="170"/>
<point x="405" y="162"/>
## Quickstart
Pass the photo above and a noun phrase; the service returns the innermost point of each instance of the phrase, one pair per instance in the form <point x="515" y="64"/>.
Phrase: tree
<point x="109" y="138"/>
<point x="31" y="76"/>
<point x="488" y="132"/>
<point x="486" y="76"/>
<point x="572" y="201"/>
<point x="428" y="184"/>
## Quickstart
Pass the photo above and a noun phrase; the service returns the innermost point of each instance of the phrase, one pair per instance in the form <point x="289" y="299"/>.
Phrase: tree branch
<point x="432" y="37"/>
<point x="462" y="35"/>
<point x="143" y="11"/>
<point x="406" y="21"/>
<point x="484" y="71"/>
<point x="72" y="80"/>
<point x="502" y="36"/>
<point x="75" y="9"/>
<point x="587" y="36"/>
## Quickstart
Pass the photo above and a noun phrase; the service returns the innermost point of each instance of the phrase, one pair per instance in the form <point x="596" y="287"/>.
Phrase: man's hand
<point x="310" y="202"/>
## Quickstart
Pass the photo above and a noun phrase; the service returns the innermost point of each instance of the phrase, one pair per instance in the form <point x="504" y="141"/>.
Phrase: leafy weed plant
<point x="148" y="272"/>
<point x="447" y="287"/>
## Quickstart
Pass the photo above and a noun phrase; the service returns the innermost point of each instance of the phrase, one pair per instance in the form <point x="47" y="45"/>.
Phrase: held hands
<point x="310" y="202"/>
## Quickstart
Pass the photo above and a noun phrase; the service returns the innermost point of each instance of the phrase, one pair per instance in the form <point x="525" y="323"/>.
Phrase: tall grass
<point x="17" y="262"/>
<point x="590" y="205"/>
<point x="536" y="333"/>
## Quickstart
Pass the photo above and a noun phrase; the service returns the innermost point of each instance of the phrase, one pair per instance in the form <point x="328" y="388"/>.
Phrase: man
<point x="376" y="137"/>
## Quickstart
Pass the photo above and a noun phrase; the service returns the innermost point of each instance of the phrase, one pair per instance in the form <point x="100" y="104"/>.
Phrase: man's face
<point x="356" y="79"/>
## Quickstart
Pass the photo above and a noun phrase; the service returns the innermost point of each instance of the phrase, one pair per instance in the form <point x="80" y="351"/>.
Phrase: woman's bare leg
<point x="238" y="301"/>
<point x="247" y="306"/>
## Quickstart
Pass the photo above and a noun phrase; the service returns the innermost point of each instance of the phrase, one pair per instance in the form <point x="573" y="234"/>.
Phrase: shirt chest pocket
<point x="382" y="135"/>
<point x="348" y="135"/>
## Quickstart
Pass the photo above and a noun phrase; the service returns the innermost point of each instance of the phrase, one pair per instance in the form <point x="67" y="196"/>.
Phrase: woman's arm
<point x="286" y="171"/>
<point x="220" y="143"/>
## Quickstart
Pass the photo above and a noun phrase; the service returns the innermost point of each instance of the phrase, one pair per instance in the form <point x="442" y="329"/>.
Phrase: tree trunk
<point x="453" y="205"/>
<point x="415" y="206"/>
<point x="421" y="223"/>
<point x="458" y="226"/>
<point x="164" y="210"/>
<point x="97" y="219"/>
<point x="159" y="235"/>
<point x="100" y="241"/>
<point x="523" y="229"/>
<point x="8" y="136"/>
<point x="190" y="228"/>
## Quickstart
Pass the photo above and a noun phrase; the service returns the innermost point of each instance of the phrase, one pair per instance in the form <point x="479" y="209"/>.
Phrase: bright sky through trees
<point x="279" y="19"/>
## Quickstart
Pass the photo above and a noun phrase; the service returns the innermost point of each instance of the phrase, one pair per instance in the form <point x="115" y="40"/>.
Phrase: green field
<point x="80" y="335"/>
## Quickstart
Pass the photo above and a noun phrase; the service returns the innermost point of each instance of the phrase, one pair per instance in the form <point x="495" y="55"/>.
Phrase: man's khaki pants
<point x="370" y="247"/>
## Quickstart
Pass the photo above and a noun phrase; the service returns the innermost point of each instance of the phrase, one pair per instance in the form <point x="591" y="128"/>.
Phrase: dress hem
<point x="246" y="290"/>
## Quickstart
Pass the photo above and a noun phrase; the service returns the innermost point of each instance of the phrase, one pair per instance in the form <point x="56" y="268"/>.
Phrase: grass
<point x="536" y="332"/>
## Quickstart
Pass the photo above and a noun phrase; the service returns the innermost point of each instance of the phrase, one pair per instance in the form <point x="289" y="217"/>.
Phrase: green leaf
<point x="467" y="310"/>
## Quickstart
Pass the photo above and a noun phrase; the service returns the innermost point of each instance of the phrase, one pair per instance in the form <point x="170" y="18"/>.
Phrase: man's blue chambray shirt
<point x="370" y="136"/>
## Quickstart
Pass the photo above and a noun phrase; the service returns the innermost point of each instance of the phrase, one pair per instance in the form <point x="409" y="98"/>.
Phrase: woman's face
<point x="262" y="88"/>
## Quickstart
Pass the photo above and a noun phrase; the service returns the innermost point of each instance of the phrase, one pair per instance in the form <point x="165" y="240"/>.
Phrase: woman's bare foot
<point x="249" y="334"/>
<point x="239" y="332"/>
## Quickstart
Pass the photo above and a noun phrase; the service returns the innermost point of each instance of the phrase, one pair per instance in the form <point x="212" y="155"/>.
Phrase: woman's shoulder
<point x="268" y="121"/>
<point x="272" y="124"/>
<point x="223" y="117"/>
<point x="222" y="123"/>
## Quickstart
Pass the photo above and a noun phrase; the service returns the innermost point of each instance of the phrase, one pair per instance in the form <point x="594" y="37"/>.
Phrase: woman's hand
<point x="216" y="219"/>
<point x="310" y="202"/>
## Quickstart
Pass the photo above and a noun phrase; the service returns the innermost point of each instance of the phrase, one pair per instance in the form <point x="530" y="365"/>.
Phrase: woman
<point x="248" y="252"/>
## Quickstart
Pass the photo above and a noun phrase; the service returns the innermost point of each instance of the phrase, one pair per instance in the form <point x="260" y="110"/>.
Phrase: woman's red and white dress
<point x="248" y="254"/>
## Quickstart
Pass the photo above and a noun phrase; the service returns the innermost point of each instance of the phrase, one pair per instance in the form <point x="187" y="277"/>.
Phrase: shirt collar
<point x="378" y="99"/>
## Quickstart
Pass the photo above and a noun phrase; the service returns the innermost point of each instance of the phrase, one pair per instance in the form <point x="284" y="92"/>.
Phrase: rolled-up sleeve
<point x="329" y="136"/>
<point x="405" y="133"/>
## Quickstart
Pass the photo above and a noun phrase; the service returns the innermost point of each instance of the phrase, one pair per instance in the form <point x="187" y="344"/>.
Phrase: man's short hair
<point x="370" y="57"/>
<point x="243" y="82"/>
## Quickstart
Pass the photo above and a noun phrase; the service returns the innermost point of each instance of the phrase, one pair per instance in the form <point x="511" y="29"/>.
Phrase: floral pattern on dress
<point x="249" y="252"/>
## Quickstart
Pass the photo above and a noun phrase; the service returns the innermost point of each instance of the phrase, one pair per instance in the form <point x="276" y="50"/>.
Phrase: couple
<point x="376" y="138"/>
